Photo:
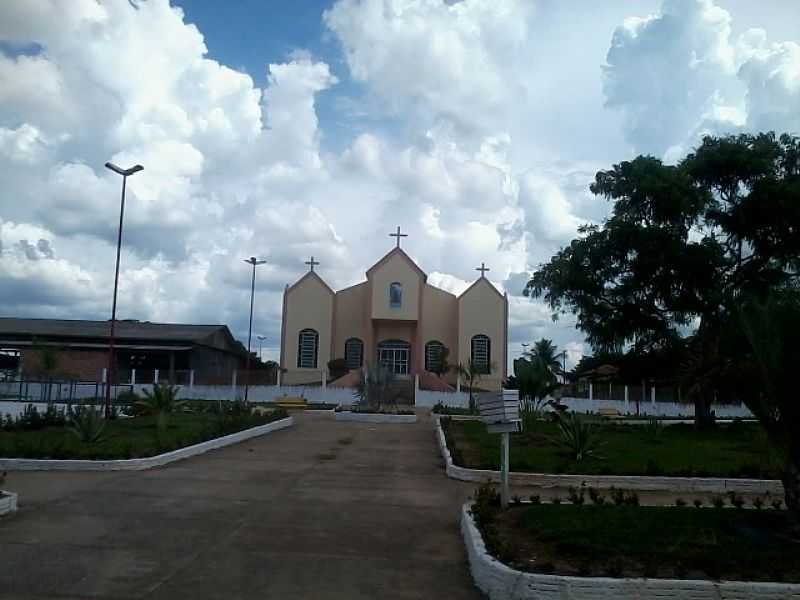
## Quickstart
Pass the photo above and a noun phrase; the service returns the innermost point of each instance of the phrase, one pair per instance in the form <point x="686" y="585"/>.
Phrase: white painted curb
<point x="346" y="415"/>
<point x="8" y="502"/>
<point x="640" y="483"/>
<point x="139" y="464"/>
<point x="501" y="582"/>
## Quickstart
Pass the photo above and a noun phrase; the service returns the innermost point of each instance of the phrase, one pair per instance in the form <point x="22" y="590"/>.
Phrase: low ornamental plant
<point x="88" y="424"/>
<point x="576" y="496"/>
<point x="535" y="499"/>
<point x="486" y="505"/>
<point x="577" y="438"/>
<point x="680" y="502"/>
<point x="697" y="503"/>
<point x="596" y="497"/>
<point x="758" y="502"/>
<point x="718" y="501"/>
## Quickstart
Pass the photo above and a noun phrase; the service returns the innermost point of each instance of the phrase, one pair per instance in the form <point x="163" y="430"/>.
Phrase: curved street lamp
<point x="110" y="370"/>
<point x="254" y="262"/>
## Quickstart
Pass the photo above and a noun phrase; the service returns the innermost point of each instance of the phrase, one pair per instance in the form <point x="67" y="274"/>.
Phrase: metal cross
<point x="398" y="235"/>
<point x="311" y="263"/>
<point x="483" y="268"/>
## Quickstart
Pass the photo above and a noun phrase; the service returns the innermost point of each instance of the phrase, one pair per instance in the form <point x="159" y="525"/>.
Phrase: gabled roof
<point x="126" y="329"/>
<point x="312" y="275"/>
<point x="400" y="252"/>
<point x="476" y="282"/>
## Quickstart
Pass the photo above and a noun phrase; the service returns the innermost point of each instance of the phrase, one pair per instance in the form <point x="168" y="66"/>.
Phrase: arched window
<point x="307" y="347"/>
<point x="396" y="294"/>
<point x="481" y="353"/>
<point x="433" y="356"/>
<point x="354" y="353"/>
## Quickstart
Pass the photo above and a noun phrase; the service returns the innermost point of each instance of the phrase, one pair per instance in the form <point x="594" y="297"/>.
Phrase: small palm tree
<point x="88" y="424"/>
<point x="373" y="386"/>
<point x="161" y="402"/>
<point x="546" y="354"/>
<point x="471" y="373"/>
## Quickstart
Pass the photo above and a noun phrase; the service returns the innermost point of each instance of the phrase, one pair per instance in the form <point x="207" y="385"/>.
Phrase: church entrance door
<point x="395" y="355"/>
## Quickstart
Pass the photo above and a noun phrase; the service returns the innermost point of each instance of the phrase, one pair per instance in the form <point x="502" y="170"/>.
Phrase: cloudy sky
<point x="286" y="129"/>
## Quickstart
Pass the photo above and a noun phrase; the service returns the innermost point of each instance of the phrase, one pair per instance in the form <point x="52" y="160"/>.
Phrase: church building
<point x="395" y="318"/>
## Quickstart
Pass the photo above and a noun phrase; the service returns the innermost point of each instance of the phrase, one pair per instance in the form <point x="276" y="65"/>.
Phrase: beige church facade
<point x="397" y="319"/>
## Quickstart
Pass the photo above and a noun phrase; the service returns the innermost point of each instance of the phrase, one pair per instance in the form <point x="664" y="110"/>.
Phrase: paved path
<point x="320" y="510"/>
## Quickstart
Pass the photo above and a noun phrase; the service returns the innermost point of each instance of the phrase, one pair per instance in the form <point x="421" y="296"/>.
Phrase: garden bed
<point x="738" y="450"/>
<point x="128" y="438"/>
<point x="654" y="542"/>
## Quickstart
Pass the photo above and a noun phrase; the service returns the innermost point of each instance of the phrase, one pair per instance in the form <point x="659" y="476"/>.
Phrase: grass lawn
<point x="627" y="541"/>
<point x="738" y="450"/>
<point x="132" y="437"/>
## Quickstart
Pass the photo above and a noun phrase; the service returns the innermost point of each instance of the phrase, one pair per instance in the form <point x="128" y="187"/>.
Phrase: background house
<point x="78" y="350"/>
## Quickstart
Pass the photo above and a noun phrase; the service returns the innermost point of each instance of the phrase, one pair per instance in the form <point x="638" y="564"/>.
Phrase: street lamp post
<point x="110" y="370"/>
<point x="254" y="262"/>
<point x="261" y="339"/>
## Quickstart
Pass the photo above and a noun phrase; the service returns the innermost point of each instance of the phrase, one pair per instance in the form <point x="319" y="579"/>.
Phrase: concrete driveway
<point x="320" y="510"/>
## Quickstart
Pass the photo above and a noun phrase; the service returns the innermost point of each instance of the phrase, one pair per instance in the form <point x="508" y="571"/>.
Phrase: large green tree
<point x="686" y="249"/>
<point x="681" y="244"/>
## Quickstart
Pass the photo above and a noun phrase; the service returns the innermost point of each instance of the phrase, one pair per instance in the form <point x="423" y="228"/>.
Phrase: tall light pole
<point x="261" y="339"/>
<point x="110" y="369"/>
<point x="255" y="262"/>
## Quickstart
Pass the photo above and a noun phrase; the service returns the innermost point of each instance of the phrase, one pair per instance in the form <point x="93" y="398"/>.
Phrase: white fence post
<point x="458" y="383"/>
<point x="324" y="379"/>
<point x="653" y="395"/>
<point x="133" y="376"/>
<point x="233" y="383"/>
<point x="626" y="399"/>
<point x="591" y="391"/>
<point x="191" y="379"/>
<point x="155" y="377"/>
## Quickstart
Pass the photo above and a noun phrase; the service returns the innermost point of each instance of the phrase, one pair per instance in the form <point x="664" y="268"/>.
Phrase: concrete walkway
<point x="320" y="510"/>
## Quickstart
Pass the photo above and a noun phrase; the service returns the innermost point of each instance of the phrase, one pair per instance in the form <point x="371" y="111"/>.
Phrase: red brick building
<point x="78" y="350"/>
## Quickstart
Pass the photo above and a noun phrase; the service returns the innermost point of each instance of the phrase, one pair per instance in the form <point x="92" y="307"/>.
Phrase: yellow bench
<point x="291" y="402"/>
<point x="609" y="413"/>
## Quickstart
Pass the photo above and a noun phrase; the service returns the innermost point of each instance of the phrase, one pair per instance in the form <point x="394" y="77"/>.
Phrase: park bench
<point x="609" y="413"/>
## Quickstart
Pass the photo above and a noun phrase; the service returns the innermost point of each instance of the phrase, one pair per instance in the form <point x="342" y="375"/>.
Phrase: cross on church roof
<point x="483" y="268"/>
<point x="311" y="263"/>
<point x="398" y="235"/>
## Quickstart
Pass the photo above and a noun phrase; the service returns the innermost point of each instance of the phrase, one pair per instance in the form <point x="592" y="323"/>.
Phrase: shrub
<point x="632" y="499"/>
<point x="777" y="503"/>
<point x="758" y="502"/>
<point x="737" y="501"/>
<point x="698" y="503"/>
<point x="718" y="501"/>
<point x="596" y="496"/>
<point x="680" y="502"/>
<point x="556" y="500"/>
<point x="618" y="496"/>
<point x="577" y="437"/>
<point x="516" y="500"/>
<point x="88" y="424"/>
<point x="161" y="402"/>
<point x="535" y="499"/>
<point x="486" y="505"/>
<point x="576" y="496"/>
